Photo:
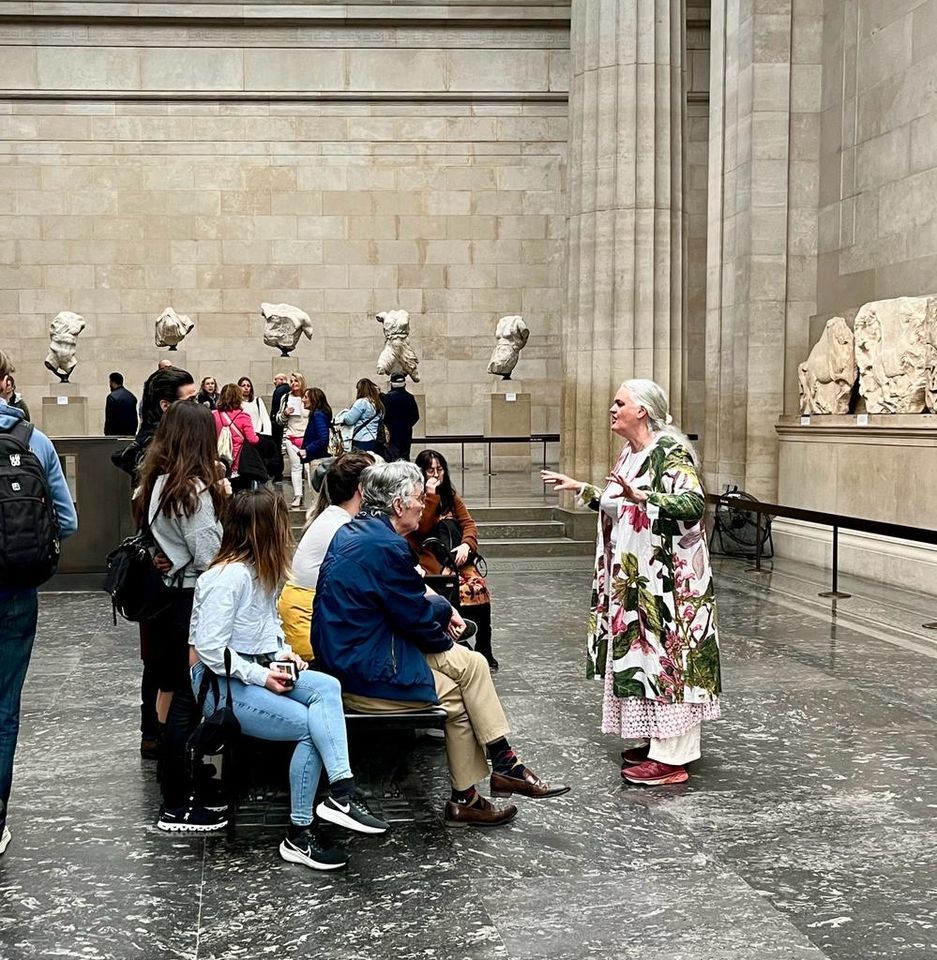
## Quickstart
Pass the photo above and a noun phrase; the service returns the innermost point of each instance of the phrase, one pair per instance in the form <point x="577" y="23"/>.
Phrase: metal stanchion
<point x="835" y="594"/>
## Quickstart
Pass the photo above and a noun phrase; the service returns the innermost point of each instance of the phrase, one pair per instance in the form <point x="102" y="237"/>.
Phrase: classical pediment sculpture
<point x="891" y="352"/>
<point x="397" y="355"/>
<point x="284" y="325"/>
<point x="63" y="341"/>
<point x="930" y="369"/>
<point x="828" y="376"/>
<point x="512" y="335"/>
<point x="172" y="328"/>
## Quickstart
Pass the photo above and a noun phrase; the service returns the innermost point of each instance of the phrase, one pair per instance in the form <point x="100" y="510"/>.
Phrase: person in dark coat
<point x="391" y="644"/>
<point x="120" y="409"/>
<point x="281" y="387"/>
<point x="400" y="415"/>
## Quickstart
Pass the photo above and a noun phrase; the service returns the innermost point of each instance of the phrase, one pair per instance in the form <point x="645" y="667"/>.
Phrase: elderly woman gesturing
<point x="652" y="633"/>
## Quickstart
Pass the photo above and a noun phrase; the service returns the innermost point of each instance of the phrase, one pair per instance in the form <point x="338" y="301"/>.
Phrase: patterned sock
<point x="504" y="759"/>
<point x="465" y="797"/>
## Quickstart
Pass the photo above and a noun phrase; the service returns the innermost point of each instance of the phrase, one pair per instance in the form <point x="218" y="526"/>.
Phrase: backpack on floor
<point x="29" y="528"/>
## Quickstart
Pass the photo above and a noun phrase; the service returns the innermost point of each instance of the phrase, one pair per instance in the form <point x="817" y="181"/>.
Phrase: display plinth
<point x="508" y="415"/>
<point x="875" y="466"/>
<point x="175" y="357"/>
<point x="64" y="411"/>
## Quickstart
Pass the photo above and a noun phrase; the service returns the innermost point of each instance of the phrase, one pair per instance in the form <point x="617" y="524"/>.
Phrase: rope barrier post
<point x="835" y="594"/>
<point x="758" y="540"/>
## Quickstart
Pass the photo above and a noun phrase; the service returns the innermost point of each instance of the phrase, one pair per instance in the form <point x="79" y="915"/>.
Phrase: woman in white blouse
<point x="255" y="408"/>
<point x="294" y="417"/>
<point x="235" y="610"/>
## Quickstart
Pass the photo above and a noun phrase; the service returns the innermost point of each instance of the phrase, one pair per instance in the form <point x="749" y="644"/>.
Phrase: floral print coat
<point x="652" y="596"/>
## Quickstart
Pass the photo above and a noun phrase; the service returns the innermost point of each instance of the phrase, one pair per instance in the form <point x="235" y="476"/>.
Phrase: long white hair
<point x="651" y="397"/>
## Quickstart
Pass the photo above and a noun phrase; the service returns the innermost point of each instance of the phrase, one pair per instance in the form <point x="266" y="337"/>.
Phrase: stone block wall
<point x="878" y="162"/>
<point x="343" y="168"/>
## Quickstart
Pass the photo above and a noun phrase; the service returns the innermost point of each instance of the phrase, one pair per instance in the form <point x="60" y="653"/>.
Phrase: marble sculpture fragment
<point x="284" y="325"/>
<point x="397" y="355"/>
<point x="512" y="335"/>
<point x="63" y="341"/>
<point x="828" y="376"/>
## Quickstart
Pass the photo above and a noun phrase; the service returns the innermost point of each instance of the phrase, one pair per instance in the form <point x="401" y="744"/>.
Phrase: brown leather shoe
<point x="528" y="785"/>
<point x="482" y="813"/>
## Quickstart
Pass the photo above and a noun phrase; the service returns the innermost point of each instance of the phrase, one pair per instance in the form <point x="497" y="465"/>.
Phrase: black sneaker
<point x="353" y="814"/>
<point x="306" y="848"/>
<point x="191" y="820"/>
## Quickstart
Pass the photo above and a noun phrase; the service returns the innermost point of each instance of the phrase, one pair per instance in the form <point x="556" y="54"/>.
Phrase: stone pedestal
<point x="64" y="412"/>
<point x="625" y="247"/>
<point x="880" y="467"/>
<point x="508" y="415"/>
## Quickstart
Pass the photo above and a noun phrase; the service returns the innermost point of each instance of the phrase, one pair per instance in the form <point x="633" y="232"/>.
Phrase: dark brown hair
<point x="230" y="398"/>
<point x="340" y="482"/>
<point x="257" y="532"/>
<point x="184" y="449"/>
<point x="444" y="489"/>
<point x="318" y="401"/>
<point x="251" y="382"/>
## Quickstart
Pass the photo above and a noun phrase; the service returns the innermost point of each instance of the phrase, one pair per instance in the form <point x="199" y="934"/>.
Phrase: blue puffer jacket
<point x="372" y="622"/>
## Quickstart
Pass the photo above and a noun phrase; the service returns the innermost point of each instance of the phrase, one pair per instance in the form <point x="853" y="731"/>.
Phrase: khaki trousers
<point x="474" y="716"/>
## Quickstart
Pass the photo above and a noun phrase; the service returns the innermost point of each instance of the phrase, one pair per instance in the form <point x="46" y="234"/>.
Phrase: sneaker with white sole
<point x="306" y="848"/>
<point x="351" y="813"/>
<point x="5" y="838"/>
<point x="191" y="820"/>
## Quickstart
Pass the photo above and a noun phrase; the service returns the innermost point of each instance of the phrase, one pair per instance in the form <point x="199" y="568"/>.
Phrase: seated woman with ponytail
<point x="235" y="610"/>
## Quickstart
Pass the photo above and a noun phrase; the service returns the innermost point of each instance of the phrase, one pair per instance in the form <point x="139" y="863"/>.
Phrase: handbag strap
<point x="361" y="426"/>
<point x="231" y="423"/>
<point x="210" y="682"/>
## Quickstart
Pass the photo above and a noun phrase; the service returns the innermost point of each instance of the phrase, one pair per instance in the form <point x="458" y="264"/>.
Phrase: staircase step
<point x="542" y="547"/>
<point x="482" y="514"/>
<point x="520" y="530"/>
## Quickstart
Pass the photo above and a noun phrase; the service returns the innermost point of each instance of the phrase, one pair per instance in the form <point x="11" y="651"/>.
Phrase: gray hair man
<point x="393" y="644"/>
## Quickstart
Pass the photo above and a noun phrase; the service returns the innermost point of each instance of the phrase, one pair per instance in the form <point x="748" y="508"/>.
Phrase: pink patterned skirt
<point x="635" y="718"/>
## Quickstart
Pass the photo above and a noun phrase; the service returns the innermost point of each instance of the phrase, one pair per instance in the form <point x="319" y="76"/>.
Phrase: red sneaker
<point x="651" y="773"/>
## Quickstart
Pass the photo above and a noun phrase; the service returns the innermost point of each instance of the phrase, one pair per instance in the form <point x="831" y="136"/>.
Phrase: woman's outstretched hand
<point x="559" y="481"/>
<point x="461" y="554"/>
<point x="628" y="492"/>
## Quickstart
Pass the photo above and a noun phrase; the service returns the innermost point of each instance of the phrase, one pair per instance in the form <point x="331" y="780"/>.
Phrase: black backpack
<point x="29" y="527"/>
<point x="137" y="589"/>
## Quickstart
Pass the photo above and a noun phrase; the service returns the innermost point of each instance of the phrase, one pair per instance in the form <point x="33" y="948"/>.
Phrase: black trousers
<point x="168" y="654"/>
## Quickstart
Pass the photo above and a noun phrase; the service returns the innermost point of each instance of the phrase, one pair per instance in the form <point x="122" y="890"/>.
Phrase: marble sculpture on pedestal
<point x="397" y="355"/>
<point x="891" y="352"/>
<point x="828" y="376"/>
<point x="284" y="325"/>
<point x="172" y="328"/>
<point x="63" y="341"/>
<point x="512" y="335"/>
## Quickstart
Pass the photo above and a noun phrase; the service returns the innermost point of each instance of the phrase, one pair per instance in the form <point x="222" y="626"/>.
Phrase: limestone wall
<point x="343" y="167"/>
<point x="878" y="175"/>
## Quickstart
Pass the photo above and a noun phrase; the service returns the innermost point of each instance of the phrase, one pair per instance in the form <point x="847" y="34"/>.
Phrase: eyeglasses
<point x="435" y="471"/>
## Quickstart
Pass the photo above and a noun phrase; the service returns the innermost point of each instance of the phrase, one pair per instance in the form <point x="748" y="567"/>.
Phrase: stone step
<point x="542" y="547"/>
<point x="507" y="514"/>
<point x="520" y="530"/>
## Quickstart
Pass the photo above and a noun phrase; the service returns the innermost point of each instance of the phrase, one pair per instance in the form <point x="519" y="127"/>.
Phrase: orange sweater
<point x="432" y="516"/>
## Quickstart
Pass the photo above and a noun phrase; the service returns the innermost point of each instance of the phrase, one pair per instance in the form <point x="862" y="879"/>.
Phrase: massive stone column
<point x="625" y="263"/>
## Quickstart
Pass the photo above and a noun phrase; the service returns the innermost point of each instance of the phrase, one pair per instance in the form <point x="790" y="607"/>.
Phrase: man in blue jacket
<point x="19" y="607"/>
<point x="390" y="643"/>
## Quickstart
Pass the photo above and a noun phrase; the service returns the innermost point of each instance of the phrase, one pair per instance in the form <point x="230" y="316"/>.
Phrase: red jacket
<point x="239" y="420"/>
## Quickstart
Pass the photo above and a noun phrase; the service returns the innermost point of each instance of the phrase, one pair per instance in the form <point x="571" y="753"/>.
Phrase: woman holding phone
<point x="273" y="694"/>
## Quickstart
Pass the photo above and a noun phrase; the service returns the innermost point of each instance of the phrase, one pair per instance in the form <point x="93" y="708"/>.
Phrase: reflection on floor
<point x="806" y="831"/>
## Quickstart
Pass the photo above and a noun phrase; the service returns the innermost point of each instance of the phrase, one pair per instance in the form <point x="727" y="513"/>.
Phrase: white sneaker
<point x="5" y="839"/>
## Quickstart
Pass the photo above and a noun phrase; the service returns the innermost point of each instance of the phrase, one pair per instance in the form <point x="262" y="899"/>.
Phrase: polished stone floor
<point x="807" y="830"/>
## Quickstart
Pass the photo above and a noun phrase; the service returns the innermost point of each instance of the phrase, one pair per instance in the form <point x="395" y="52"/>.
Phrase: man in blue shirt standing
<point x="19" y="606"/>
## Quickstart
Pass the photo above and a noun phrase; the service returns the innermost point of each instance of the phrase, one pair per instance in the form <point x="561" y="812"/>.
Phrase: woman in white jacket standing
<point x="294" y="416"/>
<point x="254" y="407"/>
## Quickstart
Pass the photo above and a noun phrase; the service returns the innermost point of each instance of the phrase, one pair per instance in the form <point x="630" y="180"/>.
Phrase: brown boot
<point x="479" y="813"/>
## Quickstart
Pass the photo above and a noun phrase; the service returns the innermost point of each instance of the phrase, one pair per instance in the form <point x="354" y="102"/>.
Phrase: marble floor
<point x="807" y="830"/>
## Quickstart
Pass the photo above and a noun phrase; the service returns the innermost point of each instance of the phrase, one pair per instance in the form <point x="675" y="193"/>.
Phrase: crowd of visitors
<point x="293" y="640"/>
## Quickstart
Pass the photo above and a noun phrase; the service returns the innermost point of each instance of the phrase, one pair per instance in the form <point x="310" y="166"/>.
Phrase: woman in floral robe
<point x="652" y="633"/>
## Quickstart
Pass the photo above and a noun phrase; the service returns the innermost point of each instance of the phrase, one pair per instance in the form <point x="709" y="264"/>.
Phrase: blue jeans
<point x="311" y="714"/>
<point x="18" y="613"/>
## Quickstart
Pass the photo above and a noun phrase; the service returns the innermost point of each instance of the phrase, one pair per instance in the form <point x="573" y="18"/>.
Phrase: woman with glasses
<point x="446" y="541"/>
